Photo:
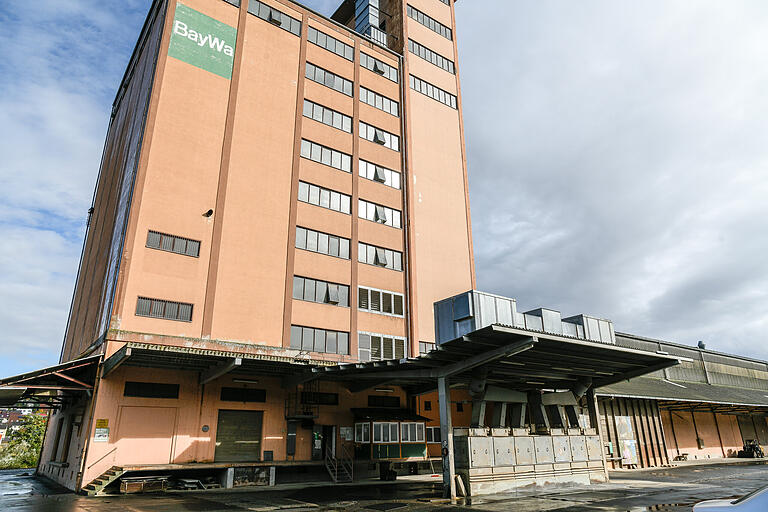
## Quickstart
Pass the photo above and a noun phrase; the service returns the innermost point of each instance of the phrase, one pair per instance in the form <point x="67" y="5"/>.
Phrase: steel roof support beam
<point x="455" y="368"/>
<point x="219" y="370"/>
<point x="635" y="373"/>
<point x="72" y="379"/>
<point x="115" y="360"/>
<point x="446" y="434"/>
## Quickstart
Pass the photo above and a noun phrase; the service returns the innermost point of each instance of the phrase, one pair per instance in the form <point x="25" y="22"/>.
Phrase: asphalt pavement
<point x="665" y="489"/>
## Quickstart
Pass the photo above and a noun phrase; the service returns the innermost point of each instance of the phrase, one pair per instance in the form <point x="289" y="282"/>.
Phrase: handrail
<point x="103" y="457"/>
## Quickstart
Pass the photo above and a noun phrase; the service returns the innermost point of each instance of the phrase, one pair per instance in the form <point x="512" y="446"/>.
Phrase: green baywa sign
<point x="202" y="41"/>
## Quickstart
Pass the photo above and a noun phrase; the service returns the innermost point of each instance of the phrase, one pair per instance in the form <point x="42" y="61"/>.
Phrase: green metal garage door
<point x="238" y="436"/>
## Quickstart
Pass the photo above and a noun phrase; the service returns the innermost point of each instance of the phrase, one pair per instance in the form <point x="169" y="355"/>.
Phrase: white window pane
<point x="303" y="191"/>
<point x="345" y="204"/>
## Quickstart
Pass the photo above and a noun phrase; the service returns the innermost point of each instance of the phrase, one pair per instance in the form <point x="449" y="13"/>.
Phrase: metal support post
<point x="478" y="413"/>
<point x="499" y="415"/>
<point x="594" y="421"/>
<point x="446" y="431"/>
<point x="518" y="416"/>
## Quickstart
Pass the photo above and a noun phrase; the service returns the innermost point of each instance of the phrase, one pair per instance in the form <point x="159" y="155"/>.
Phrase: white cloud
<point x="57" y="78"/>
<point x="620" y="168"/>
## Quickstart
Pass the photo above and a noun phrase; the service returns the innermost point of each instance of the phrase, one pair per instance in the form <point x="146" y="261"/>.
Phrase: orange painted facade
<point x="218" y="160"/>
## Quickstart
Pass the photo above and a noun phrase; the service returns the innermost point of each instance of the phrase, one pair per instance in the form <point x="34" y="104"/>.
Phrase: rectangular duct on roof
<point x="593" y="329"/>
<point x="470" y="311"/>
<point x="550" y="320"/>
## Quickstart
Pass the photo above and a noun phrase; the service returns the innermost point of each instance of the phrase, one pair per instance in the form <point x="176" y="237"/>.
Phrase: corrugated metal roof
<point x="666" y="390"/>
<point x="550" y="362"/>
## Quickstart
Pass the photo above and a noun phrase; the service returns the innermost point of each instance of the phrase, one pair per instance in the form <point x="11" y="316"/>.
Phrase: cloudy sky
<point x="617" y="150"/>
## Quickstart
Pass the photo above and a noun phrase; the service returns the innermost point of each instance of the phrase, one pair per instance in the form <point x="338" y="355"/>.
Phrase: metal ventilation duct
<point x="473" y="310"/>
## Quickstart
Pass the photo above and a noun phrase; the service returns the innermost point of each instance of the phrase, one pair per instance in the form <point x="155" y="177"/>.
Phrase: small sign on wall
<point x="347" y="433"/>
<point x="101" y="435"/>
<point x="102" y="423"/>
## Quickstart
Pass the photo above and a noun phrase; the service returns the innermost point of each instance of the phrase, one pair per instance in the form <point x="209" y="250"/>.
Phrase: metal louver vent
<point x="173" y="243"/>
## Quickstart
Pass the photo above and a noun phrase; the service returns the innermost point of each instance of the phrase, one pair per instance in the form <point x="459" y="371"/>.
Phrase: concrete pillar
<point x="478" y="413"/>
<point x="594" y="421"/>
<point x="446" y="432"/>
<point x="572" y="417"/>
<point x="499" y="415"/>
<point x="518" y="416"/>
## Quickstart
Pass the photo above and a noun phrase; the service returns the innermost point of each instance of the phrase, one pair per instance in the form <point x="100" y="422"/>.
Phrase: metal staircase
<point x="104" y="480"/>
<point x="340" y="468"/>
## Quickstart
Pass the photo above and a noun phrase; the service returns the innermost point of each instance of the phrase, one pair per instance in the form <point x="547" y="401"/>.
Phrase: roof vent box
<point x="473" y="310"/>
<point x="545" y="320"/>
<point x="590" y="328"/>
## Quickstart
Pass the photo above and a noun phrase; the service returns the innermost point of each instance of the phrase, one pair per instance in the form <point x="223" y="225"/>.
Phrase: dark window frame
<point x="159" y="390"/>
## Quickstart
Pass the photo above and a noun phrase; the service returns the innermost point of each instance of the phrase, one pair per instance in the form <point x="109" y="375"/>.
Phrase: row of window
<point x="434" y="435"/>
<point x="379" y="67"/>
<point x="379" y="347"/>
<point x="319" y="340"/>
<point x="327" y="116"/>
<point x="430" y="56"/>
<point x="380" y="102"/>
<point x="379" y="136"/>
<point x="166" y="309"/>
<point x="275" y="17"/>
<point x="326" y="156"/>
<point x="369" y="299"/>
<point x="378" y="213"/>
<point x="446" y="2"/>
<point x="322" y="243"/>
<point x="328" y="79"/>
<point x="387" y="432"/>
<point x="173" y="243"/>
<point x="171" y="391"/>
<point x="431" y="23"/>
<point x="336" y="246"/>
<point x="324" y="197"/>
<point x="331" y="44"/>
<point x="379" y="256"/>
<point x="436" y="93"/>
<point x="343" y="162"/>
<point x="425" y="348"/>
<point x="380" y="301"/>
<point x="380" y="174"/>
<point x="322" y="292"/>
<point x="337" y="201"/>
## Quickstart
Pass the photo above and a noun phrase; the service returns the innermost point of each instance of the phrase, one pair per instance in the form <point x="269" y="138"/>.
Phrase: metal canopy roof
<point x="512" y="357"/>
<point x="50" y="387"/>
<point x="210" y="363"/>
<point x="688" y="395"/>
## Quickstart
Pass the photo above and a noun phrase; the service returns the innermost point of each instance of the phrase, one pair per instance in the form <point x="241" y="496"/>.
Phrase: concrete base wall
<point x="482" y="481"/>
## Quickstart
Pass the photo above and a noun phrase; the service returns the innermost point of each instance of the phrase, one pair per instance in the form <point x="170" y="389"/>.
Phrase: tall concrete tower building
<point x="277" y="188"/>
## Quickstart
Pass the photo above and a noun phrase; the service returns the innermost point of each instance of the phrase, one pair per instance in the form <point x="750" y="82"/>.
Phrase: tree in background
<point x="23" y="447"/>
